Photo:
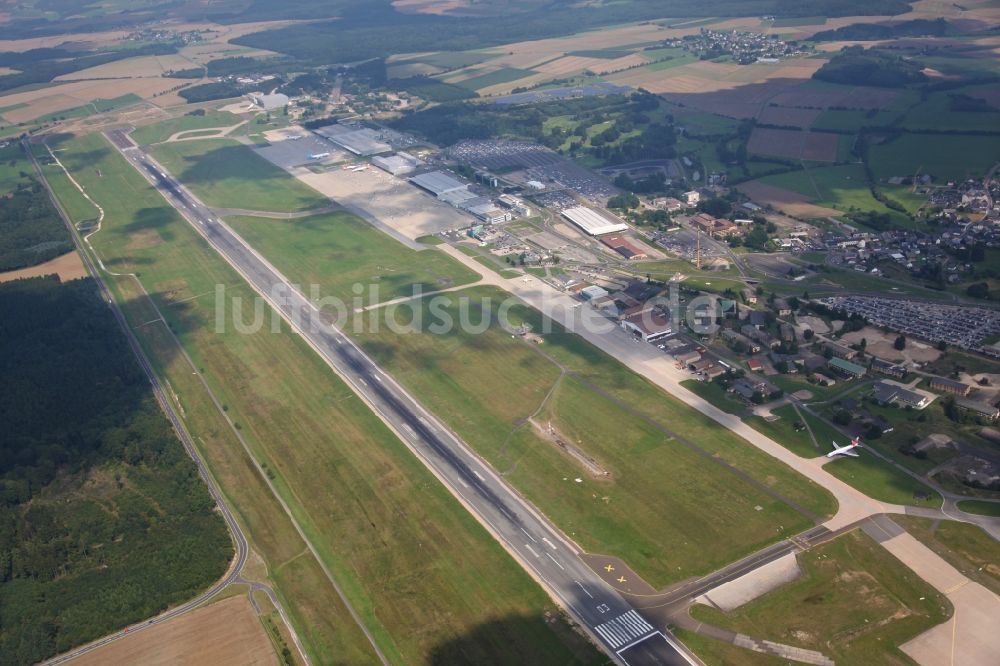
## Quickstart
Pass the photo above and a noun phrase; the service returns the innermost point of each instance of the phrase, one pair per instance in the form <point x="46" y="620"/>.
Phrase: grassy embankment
<point x="854" y="602"/>
<point x="162" y="131"/>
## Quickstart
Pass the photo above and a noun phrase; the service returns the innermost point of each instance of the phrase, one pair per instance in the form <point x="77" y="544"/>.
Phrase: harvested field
<point x="858" y="97"/>
<point x="791" y="203"/>
<point x="226" y="632"/>
<point x="67" y="267"/>
<point x="65" y="96"/>
<point x="412" y="69"/>
<point x="131" y="68"/>
<point x="570" y="65"/>
<point x="782" y="115"/>
<point x="815" y="146"/>
<point x="777" y="143"/>
<point x="620" y="63"/>
<point x="820" y="147"/>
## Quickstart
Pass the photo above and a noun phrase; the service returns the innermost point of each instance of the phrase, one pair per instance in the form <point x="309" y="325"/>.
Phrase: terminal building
<point x="355" y="139"/>
<point x="439" y="183"/>
<point x="592" y="222"/>
<point x="399" y="164"/>
<point x="270" y="102"/>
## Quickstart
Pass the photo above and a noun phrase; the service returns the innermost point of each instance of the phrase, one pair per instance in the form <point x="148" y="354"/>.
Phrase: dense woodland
<point x="31" y="231"/>
<point x="873" y="31"/>
<point x="856" y="66"/>
<point x="104" y="520"/>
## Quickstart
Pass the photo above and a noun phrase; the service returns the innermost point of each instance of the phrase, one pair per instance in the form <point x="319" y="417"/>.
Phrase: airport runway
<point x="536" y="544"/>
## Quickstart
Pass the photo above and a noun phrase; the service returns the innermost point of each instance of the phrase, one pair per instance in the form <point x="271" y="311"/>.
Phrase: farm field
<point x="494" y="78"/>
<point x="944" y="156"/>
<point x="788" y="144"/>
<point x="226" y="631"/>
<point x="854" y="602"/>
<point x="839" y="187"/>
<point x="343" y="475"/>
<point x="339" y="250"/>
<point x="227" y="174"/>
<point x="162" y="131"/>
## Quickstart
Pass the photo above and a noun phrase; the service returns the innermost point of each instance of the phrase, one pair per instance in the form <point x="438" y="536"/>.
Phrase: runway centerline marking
<point x="529" y="535"/>
<point x="585" y="590"/>
<point x="556" y="561"/>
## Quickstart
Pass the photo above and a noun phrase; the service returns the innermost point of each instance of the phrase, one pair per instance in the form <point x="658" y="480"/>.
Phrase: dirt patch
<point x="140" y="240"/>
<point x="880" y="344"/>
<point x="782" y="115"/>
<point x="67" y="267"/>
<point x="226" y="632"/>
<point x="789" y="144"/>
<point x="791" y="203"/>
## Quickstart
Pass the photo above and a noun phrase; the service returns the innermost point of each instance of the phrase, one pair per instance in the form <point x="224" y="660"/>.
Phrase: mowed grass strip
<point x="496" y="77"/>
<point x="322" y="621"/>
<point x="854" y="602"/>
<point x="423" y="574"/>
<point x="671" y="508"/>
<point x="226" y="174"/>
<point x="162" y="131"/>
<point x="338" y="251"/>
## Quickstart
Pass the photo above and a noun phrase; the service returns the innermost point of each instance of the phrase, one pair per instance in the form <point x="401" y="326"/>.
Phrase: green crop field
<point x="227" y="174"/>
<point x="449" y="60"/>
<point x="162" y="131"/>
<point x="608" y="54"/>
<point x="854" y="602"/>
<point x="420" y="571"/>
<point x="966" y="547"/>
<point x="842" y="187"/>
<point x="945" y="156"/>
<point x="496" y="77"/>
<point x="340" y="250"/>
<point x="936" y="113"/>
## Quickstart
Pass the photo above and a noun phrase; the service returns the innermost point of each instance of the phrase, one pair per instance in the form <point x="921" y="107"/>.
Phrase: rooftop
<point x="593" y="222"/>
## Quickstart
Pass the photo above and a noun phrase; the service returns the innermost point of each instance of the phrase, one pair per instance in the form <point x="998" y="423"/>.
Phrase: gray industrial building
<point x="438" y="183"/>
<point x="359" y="140"/>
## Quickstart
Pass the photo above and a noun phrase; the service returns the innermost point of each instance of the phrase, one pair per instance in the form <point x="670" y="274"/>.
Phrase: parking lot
<point x="392" y="202"/>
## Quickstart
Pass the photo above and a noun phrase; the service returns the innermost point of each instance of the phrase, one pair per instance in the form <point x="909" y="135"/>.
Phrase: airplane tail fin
<point x="856" y="441"/>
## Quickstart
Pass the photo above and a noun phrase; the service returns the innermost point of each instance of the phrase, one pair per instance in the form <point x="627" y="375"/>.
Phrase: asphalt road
<point x="239" y="539"/>
<point x="536" y="544"/>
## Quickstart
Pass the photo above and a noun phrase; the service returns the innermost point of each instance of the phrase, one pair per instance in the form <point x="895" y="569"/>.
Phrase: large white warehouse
<point x="593" y="222"/>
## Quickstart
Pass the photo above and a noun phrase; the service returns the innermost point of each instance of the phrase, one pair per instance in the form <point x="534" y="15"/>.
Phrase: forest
<point x="858" y="67"/>
<point x="873" y="31"/>
<point x="31" y="231"/>
<point x="104" y="520"/>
